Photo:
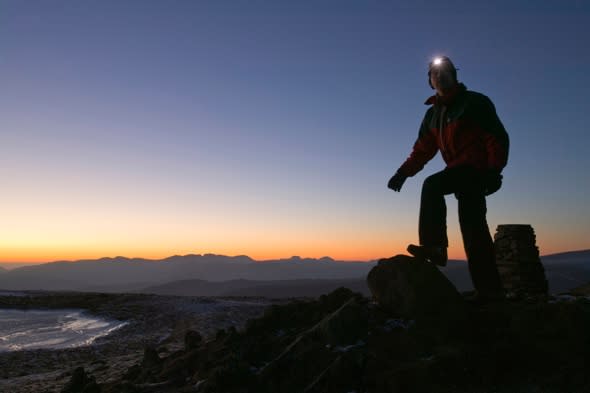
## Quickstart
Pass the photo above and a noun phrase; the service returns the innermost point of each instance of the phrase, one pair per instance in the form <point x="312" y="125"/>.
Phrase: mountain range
<point x="124" y="274"/>
<point x="219" y="275"/>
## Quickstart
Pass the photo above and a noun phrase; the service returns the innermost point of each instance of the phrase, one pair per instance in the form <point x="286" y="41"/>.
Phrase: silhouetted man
<point x="464" y="127"/>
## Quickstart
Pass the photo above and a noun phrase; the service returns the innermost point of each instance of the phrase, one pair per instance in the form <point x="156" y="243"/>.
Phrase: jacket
<point x="466" y="130"/>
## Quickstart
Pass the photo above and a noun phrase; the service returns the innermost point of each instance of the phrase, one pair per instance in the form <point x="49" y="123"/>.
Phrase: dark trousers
<point x="467" y="185"/>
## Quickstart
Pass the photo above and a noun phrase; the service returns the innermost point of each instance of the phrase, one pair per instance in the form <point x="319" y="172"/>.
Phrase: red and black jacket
<point x="465" y="128"/>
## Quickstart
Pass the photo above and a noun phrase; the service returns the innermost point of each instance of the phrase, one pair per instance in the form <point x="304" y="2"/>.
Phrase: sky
<point x="270" y="128"/>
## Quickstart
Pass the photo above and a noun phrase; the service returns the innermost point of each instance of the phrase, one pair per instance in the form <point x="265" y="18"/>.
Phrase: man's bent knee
<point x="432" y="184"/>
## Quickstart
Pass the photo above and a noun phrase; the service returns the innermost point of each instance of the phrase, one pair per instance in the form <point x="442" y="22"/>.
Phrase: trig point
<point x="517" y="257"/>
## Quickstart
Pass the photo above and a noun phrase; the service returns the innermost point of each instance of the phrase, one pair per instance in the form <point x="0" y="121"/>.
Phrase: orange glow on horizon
<point x="352" y="253"/>
<point x="345" y="251"/>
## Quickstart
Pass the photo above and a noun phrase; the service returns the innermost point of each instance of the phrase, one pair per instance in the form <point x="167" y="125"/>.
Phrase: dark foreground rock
<point x="81" y="382"/>
<point x="407" y="288"/>
<point x="301" y="346"/>
<point x="412" y="340"/>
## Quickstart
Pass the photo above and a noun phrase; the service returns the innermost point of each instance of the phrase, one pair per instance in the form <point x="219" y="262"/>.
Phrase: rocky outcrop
<point x="334" y="340"/>
<point x="406" y="287"/>
<point x="304" y="346"/>
<point x="342" y="343"/>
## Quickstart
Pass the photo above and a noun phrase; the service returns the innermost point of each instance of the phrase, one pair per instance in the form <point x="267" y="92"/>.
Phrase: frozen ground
<point x="40" y="356"/>
<point x="51" y="329"/>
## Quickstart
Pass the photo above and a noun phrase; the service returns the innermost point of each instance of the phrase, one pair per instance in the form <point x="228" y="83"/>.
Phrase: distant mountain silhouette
<point x="124" y="274"/>
<point x="219" y="275"/>
<point x="2" y="270"/>
<point x="581" y="257"/>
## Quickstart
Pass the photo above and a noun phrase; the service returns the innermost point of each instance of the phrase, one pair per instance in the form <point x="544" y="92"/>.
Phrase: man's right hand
<point x="396" y="182"/>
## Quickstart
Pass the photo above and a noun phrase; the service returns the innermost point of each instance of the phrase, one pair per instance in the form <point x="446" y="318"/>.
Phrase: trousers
<point x="467" y="184"/>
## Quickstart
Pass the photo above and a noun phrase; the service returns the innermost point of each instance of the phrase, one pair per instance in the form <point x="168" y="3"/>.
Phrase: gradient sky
<point x="270" y="128"/>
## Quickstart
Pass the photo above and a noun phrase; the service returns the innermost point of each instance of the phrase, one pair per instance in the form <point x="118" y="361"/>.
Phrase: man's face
<point x="441" y="77"/>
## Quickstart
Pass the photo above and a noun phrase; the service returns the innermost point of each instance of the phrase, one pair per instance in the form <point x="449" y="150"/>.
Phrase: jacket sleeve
<point x="495" y="137"/>
<point x="424" y="149"/>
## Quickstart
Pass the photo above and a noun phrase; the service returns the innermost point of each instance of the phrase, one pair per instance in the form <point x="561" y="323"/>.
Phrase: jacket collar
<point x="448" y="98"/>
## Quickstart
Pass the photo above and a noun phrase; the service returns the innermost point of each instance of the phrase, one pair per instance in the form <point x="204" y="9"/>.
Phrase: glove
<point x="492" y="181"/>
<point x="396" y="182"/>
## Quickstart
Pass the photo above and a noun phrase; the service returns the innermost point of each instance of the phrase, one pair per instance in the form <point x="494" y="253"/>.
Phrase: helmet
<point x="441" y="62"/>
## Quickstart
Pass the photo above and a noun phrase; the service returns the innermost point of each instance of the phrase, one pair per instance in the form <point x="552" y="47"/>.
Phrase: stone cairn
<point x="518" y="261"/>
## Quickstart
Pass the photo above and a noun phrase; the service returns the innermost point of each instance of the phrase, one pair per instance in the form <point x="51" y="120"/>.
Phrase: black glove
<point x="492" y="181"/>
<point x="397" y="181"/>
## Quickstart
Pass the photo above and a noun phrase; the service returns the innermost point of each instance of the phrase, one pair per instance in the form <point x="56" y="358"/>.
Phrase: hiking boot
<point x="436" y="255"/>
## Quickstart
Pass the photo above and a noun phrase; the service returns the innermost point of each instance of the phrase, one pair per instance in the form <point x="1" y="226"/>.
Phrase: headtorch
<point x="437" y="61"/>
<point x="442" y="62"/>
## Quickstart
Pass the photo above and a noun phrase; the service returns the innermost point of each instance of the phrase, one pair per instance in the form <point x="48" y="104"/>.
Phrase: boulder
<point x="146" y="371"/>
<point x="192" y="340"/>
<point x="409" y="288"/>
<point x="81" y="382"/>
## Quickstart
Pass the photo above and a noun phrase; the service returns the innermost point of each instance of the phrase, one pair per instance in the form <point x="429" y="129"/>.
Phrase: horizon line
<point x="234" y="256"/>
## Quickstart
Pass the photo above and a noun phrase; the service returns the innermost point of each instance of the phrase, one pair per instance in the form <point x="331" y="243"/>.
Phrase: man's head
<point x="442" y="74"/>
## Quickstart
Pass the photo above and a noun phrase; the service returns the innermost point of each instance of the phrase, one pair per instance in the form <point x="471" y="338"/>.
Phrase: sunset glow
<point x="149" y="129"/>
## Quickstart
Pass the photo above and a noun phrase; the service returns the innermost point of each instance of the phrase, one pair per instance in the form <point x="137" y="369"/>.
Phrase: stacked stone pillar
<point x="517" y="257"/>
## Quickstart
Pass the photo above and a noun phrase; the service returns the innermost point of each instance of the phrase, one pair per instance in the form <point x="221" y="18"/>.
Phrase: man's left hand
<point x="396" y="182"/>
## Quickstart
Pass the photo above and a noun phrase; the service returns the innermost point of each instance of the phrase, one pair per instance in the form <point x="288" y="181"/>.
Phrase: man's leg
<point x="478" y="243"/>
<point x="432" y="226"/>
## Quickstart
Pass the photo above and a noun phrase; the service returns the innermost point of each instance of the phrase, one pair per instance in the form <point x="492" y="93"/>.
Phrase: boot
<point x="436" y="255"/>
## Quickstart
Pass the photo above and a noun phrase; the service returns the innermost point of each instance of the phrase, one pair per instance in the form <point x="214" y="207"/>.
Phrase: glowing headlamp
<point x="441" y="64"/>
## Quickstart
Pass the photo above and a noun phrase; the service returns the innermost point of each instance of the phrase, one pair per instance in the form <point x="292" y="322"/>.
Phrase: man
<point x="464" y="127"/>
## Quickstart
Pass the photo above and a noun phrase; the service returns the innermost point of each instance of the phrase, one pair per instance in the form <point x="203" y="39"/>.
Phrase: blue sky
<point x="270" y="128"/>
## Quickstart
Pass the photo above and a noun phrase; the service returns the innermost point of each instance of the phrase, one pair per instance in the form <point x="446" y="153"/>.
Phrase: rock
<point x="221" y="333"/>
<point x="182" y="364"/>
<point x="336" y="298"/>
<point x="125" y="387"/>
<point x="150" y="366"/>
<point x="311" y="359"/>
<point x="192" y="340"/>
<point x="409" y="288"/>
<point x="81" y="382"/>
<point x="151" y="359"/>
<point x="132" y="373"/>
<point x="343" y="375"/>
<point x="345" y="325"/>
